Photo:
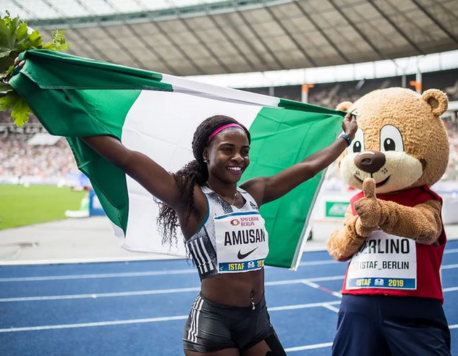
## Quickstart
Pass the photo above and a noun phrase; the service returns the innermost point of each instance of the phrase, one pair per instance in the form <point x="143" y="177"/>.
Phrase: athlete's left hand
<point x="349" y="125"/>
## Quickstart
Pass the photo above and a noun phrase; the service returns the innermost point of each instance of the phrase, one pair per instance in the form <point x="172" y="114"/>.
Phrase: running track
<point x="139" y="308"/>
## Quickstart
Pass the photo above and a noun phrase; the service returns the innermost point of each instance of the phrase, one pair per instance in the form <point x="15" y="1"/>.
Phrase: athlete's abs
<point x="237" y="290"/>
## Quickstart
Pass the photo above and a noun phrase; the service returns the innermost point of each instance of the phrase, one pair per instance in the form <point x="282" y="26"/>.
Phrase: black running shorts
<point x="212" y="327"/>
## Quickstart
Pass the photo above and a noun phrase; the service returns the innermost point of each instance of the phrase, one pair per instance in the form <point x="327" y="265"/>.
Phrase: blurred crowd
<point x="24" y="163"/>
<point x="331" y="95"/>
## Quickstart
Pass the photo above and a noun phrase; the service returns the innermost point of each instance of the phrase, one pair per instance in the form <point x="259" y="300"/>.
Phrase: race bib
<point x="384" y="261"/>
<point x="242" y="242"/>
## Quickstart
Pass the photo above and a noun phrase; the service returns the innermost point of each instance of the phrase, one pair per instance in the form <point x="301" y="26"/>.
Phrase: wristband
<point x="346" y="138"/>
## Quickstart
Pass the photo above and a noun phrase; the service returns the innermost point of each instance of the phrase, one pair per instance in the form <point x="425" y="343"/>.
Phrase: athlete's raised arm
<point x="267" y="189"/>
<point x="140" y="167"/>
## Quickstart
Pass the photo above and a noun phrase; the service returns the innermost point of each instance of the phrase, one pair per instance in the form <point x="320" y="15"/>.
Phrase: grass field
<point x="20" y="206"/>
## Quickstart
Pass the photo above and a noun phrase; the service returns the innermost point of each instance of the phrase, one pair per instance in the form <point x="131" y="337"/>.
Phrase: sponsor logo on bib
<point x="241" y="255"/>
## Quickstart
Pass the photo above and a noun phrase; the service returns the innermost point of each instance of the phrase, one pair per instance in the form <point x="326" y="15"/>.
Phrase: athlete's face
<point x="227" y="155"/>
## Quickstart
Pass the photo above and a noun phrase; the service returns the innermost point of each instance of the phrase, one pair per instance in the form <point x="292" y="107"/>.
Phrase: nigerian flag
<point x="157" y="114"/>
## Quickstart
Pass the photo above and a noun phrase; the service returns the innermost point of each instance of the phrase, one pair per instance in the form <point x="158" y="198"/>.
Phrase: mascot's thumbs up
<point x="368" y="209"/>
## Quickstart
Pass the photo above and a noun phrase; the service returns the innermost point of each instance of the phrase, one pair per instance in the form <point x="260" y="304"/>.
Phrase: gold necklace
<point x="233" y="201"/>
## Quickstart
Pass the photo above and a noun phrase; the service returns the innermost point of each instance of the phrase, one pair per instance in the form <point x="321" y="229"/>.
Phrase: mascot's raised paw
<point x="368" y="209"/>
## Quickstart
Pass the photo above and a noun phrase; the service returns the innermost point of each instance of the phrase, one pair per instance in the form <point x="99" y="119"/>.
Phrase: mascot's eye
<point x="357" y="145"/>
<point x="391" y="139"/>
<point x="389" y="145"/>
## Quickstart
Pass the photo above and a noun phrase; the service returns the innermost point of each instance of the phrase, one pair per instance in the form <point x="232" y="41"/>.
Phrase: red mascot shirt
<point x="427" y="259"/>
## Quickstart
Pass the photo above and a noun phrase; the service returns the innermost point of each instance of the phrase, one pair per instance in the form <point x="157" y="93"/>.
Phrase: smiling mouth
<point x="377" y="185"/>
<point x="235" y="169"/>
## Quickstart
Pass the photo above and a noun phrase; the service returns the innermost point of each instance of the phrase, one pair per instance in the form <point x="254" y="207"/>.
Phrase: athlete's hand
<point x="368" y="209"/>
<point x="17" y="63"/>
<point x="349" y="125"/>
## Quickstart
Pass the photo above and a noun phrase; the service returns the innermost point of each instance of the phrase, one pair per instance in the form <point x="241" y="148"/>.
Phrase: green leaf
<point x="22" y="38"/>
<point x="4" y="52"/>
<point x="14" y="39"/>
<point x="20" y="110"/>
<point x="58" y="42"/>
<point x="35" y="39"/>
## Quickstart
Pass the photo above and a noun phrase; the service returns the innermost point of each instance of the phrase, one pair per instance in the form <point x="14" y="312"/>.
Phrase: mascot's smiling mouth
<point x="377" y="185"/>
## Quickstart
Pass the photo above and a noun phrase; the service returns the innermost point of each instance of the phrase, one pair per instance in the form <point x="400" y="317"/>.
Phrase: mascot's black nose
<point x="370" y="161"/>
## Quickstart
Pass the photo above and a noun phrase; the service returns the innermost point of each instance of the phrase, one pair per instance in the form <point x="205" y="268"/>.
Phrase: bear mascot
<point x="392" y="231"/>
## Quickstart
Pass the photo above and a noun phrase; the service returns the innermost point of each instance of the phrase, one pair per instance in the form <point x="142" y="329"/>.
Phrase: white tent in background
<point x="43" y="139"/>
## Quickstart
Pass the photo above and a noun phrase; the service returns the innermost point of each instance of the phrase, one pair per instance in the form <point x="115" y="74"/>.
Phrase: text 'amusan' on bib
<point x="242" y="242"/>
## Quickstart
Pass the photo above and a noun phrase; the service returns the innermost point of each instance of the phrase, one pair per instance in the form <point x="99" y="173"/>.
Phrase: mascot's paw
<point x="363" y="231"/>
<point x="368" y="209"/>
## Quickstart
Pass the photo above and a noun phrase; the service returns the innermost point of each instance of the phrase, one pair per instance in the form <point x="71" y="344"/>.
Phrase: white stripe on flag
<point x="183" y="85"/>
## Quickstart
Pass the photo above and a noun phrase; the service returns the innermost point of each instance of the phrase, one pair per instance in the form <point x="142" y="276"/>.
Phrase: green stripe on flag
<point x="58" y="70"/>
<point x="296" y="105"/>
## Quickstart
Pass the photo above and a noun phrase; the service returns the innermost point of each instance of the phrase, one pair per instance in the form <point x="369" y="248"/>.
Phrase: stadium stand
<point x="330" y="94"/>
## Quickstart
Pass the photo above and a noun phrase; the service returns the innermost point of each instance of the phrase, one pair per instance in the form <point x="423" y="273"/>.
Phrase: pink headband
<point x="217" y="131"/>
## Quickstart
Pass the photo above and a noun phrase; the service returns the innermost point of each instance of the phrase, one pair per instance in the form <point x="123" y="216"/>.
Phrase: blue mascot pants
<point x="385" y="325"/>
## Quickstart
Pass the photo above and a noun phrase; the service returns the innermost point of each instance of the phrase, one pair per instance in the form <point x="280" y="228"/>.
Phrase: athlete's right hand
<point x="18" y="63"/>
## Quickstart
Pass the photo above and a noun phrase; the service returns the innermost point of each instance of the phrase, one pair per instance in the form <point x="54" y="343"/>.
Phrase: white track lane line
<point x="449" y="266"/>
<point x="308" y="347"/>
<point x="156" y="273"/>
<point x="331" y="308"/>
<point x="129" y="274"/>
<point x="323" y="289"/>
<point x="148" y="320"/>
<point x="308" y="281"/>
<point x="97" y="276"/>
<point x="150" y="292"/>
<point x="89" y="325"/>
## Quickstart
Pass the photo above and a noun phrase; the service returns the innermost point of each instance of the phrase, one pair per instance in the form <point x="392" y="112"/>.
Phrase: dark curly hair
<point x="194" y="172"/>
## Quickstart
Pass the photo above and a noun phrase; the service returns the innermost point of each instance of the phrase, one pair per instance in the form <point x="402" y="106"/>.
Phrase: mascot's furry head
<point x="401" y="141"/>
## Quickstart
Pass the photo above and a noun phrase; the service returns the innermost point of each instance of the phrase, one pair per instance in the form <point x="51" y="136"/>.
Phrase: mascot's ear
<point x="344" y="106"/>
<point x="437" y="100"/>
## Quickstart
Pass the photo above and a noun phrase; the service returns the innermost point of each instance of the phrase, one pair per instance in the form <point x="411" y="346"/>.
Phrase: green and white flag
<point x="157" y="114"/>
